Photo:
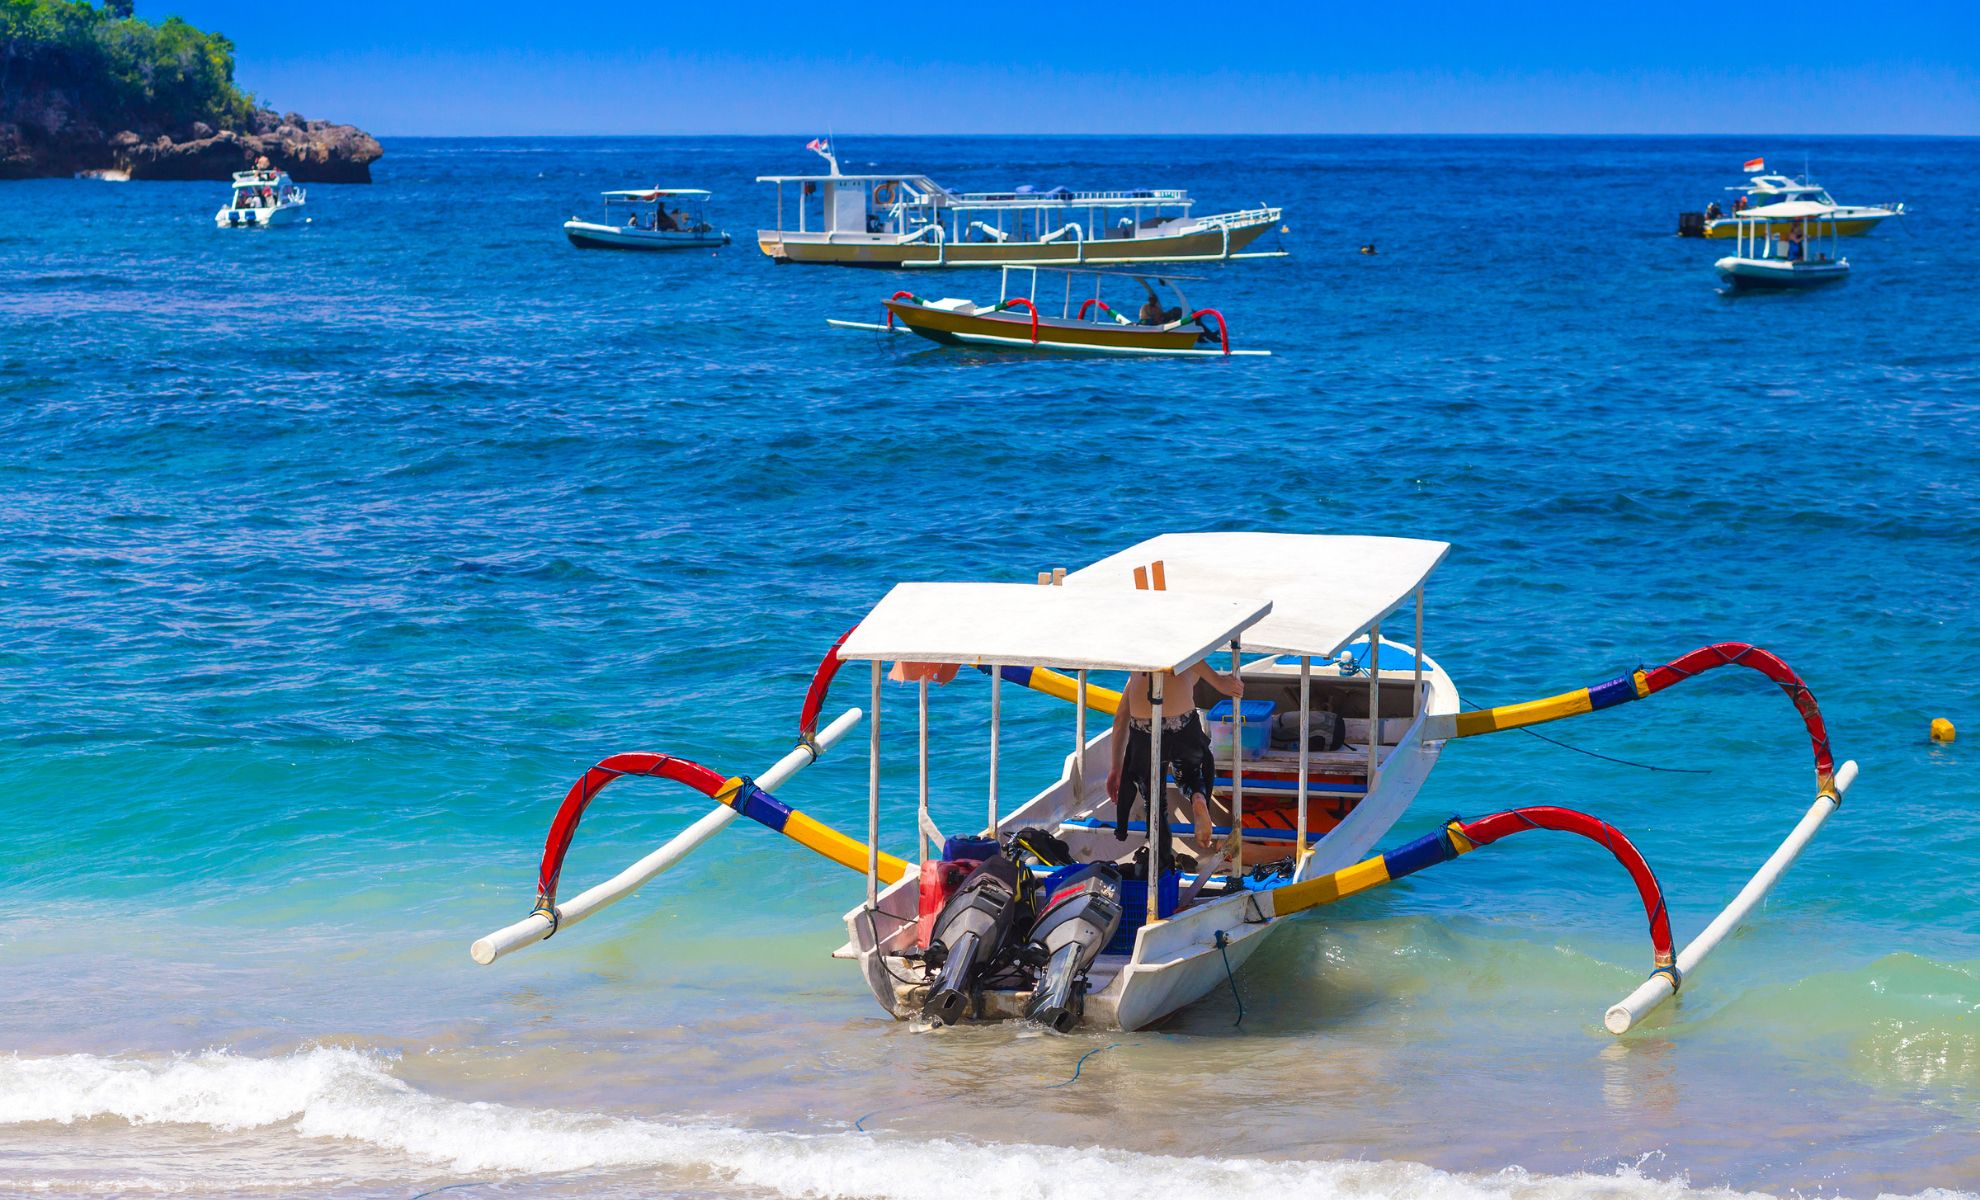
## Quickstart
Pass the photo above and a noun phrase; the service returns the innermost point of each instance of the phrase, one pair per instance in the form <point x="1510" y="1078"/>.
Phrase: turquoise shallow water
<point x="331" y="555"/>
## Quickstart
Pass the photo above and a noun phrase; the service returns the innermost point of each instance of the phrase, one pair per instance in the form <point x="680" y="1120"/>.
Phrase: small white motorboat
<point x="1787" y="245"/>
<point x="641" y="219"/>
<point x="262" y="197"/>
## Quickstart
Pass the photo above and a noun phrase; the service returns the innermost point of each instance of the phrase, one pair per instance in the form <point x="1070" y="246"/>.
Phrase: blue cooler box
<point x="1256" y="718"/>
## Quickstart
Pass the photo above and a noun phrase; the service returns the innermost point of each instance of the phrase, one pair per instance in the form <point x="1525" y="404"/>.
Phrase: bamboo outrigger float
<point x="1015" y="322"/>
<point x="912" y="221"/>
<point x="1061" y="910"/>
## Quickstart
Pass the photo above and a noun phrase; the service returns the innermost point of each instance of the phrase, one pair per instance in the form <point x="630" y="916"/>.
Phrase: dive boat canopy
<point x="649" y="219"/>
<point x="1327" y="589"/>
<point x="983" y="624"/>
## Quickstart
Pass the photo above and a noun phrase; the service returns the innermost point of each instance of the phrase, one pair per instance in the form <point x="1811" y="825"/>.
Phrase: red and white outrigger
<point x="1293" y="825"/>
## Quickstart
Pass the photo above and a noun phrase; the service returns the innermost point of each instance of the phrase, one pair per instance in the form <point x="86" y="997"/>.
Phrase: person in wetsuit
<point x="1185" y="746"/>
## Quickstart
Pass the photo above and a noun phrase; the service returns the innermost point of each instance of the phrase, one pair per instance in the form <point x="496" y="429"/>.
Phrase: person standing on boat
<point x="1185" y="746"/>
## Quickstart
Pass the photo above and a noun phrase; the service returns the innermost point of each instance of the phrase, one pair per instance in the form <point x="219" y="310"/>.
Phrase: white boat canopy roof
<point x="1786" y="210"/>
<point x="656" y="193"/>
<point x="984" y="624"/>
<point x="1326" y="590"/>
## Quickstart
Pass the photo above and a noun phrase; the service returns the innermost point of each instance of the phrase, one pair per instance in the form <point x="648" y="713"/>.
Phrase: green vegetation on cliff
<point x="137" y="73"/>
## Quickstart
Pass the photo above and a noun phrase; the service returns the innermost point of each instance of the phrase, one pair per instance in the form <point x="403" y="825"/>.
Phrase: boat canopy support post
<point x="1300" y="848"/>
<point x="1158" y="798"/>
<point x="541" y="924"/>
<point x="1237" y="769"/>
<point x="1661" y="985"/>
<point x="1416" y="704"/>
<point x="996" y="736"/>
<point x="1374" y="704"/>
<point x="1079" y="745"/>
<point x="873" y="798"/>
<point x="921" y="821"/>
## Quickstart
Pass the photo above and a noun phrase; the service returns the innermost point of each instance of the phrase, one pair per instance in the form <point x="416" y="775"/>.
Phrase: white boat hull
<point x="589" y="235"/>
<point x="1177" y="961"/>
<point x="1779" y="273"/>
<point x="258" y="218"/>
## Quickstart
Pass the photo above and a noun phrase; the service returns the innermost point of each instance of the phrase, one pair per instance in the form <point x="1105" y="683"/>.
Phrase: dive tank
<point x="969" y="934"/>
<point x="1076" y="923"/>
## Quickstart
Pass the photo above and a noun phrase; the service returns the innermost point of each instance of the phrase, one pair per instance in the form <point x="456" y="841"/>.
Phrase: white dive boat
<point x="1783" y="246"/>
<point x="1050" y="909"/>
<point x="262" y="197"/>
<point x="1852" y="220"/>
<point x="641" y="219"/>
<point x="912" y="221"/>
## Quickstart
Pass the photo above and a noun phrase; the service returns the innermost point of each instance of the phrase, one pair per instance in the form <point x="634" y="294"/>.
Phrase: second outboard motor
<point x="1073" y="926"/>
<point x="969" y="934"/>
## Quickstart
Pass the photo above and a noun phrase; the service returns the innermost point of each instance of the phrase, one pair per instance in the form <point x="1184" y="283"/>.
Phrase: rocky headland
<point x="88" y="88"/>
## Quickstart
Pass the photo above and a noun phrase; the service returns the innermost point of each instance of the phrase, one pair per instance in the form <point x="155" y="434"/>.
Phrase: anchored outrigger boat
<point x="648" y="223"/>
<point x="912" y="221"/>
<point x="1014" y="322"/>
<point x="1064" y="910"/>
<point x="1782" y="246"/>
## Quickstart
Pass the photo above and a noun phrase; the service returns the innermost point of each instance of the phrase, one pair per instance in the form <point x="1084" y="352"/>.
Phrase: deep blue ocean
<point x="330" y="555"/>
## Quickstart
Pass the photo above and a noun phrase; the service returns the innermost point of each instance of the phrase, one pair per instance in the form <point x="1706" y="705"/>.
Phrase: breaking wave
<point x="338" y="1093"/>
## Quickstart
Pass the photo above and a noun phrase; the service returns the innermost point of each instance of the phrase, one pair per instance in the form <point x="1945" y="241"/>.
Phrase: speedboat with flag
<point x="1763" y="190"/>
<point x="261" y="198"/>
<point x="1163" y="324"/>
<point x="649" y="219"/>
<point x="896" y="220"/>
<point x="1079" y="905"/>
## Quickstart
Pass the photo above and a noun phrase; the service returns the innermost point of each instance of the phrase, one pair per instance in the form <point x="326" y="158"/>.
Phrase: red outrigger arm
<point x="821" y="682"/>
<point x="1643" y="683"/>
<point x="586" y="789"/>
<point x="1460" y="837"/>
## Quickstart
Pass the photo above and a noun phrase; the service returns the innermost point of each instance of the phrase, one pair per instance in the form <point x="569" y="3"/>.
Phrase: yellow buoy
<point x="1942" y="730"/>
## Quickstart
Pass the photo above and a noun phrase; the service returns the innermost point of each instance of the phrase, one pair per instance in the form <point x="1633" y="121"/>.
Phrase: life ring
<point x="886" y="193"/>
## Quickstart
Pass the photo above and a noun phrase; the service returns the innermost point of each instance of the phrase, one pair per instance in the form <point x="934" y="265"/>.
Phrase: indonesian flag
<point x="817" y="145"/>
<point x="1755" y="164"/>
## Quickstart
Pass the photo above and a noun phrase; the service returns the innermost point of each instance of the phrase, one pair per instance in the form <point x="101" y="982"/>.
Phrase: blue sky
<point x="1033" y="66"/>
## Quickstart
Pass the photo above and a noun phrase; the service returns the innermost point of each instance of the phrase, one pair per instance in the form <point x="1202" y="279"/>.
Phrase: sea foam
<point x="339" y="1093"/>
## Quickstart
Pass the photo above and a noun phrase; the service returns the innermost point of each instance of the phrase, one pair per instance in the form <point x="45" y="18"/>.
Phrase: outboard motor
<point x="1074" y="925"/>
<point x="969" y="934"/>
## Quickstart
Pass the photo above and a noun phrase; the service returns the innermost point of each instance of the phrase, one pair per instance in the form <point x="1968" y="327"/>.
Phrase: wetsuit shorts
<point x="1185" y="751"/>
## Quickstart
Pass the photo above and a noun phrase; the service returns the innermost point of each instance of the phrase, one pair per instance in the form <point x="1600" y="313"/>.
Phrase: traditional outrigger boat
<point x="261" y="197"/>
<point x="1760" y="191"/>
<point x="1059" y="911"/>
<point x="1781" y="246"/>
<point x="1094" y="327"/>
<point x="647" y="222"/>
<point x="912" y="221"/>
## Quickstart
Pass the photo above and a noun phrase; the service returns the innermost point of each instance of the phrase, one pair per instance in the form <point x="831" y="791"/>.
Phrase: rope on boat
<point x="1642" y="683"/>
